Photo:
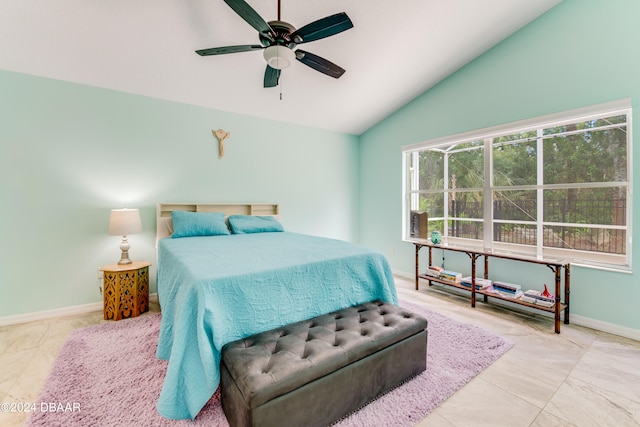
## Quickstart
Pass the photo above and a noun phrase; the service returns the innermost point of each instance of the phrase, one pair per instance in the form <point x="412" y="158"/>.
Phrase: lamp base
<point x="124" y="261"/>
<point x="124" y="247"/>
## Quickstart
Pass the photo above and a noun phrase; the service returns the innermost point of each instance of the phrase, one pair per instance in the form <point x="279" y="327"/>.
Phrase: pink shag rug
<point x="108" y="375"/>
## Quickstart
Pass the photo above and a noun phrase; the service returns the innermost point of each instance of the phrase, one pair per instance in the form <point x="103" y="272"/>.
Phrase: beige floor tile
<point x="13" y="364"/>
<point x="4" y="339"/>
<point x="4" y="389"/>
<point x="12" y="419"/>
<point x="531" y="382"/>
<point x="481" y="403"/>
<point x="435" y="420"/>
<point x="40" y="366"/>
<point x="26" y="389"/>
<point x="585" y="405"/>
<point x="549" y="352"/>
<point x="612" y="365"/>
<point x="545" y="419"/>
<point x="26" y="336"/>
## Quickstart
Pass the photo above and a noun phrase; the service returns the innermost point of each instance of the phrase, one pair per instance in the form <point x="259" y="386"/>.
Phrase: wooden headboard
<point x="164" y="226"/>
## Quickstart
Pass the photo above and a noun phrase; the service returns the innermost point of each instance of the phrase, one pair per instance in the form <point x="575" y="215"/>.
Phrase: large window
<point x="552" y="187"/>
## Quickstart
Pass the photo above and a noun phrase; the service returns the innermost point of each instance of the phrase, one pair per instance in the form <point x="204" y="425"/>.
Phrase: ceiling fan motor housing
<point x="281" y="34"/>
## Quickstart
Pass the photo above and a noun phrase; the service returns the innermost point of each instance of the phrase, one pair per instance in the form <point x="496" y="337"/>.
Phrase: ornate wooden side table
<point x="125" y="289"/>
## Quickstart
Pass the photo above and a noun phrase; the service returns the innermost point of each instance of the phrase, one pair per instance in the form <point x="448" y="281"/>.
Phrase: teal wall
<point x="69" y="153"/>
<point x="580" y="53"/>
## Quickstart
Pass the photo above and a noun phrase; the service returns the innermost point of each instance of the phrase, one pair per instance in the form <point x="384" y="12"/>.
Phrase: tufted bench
<point x="314" y="372"/>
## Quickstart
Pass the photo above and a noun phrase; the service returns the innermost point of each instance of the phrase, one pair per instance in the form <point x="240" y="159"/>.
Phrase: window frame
<point x="599" y="260"/>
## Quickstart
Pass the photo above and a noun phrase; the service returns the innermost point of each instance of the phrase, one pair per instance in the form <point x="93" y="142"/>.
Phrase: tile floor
<point x="580" y="378"/>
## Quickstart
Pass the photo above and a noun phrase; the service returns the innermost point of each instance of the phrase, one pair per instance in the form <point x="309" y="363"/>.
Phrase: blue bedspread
<point x="214" y="290"/>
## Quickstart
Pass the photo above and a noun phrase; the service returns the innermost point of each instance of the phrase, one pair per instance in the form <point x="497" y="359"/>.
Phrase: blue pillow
<point x="189" y="224"/>
<point x="245" y="224"/>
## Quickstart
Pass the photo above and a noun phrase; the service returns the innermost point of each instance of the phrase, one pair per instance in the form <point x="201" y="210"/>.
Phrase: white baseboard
<point x="610" y="328"/>
<point x="58" y="312"/>
<point x="588" y="322"/>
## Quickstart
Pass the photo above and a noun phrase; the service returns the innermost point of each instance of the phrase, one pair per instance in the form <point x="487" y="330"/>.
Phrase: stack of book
<point x="481" y="282"/>
<point x="433" y="271"/>
<point x="508" y="290"/>
<point x="536" y="297"/>
<point x="450" y="276"/>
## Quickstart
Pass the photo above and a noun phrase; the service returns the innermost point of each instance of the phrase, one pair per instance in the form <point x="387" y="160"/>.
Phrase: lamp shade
<point x="279" y="57"/>
<point x="123" y="222"/>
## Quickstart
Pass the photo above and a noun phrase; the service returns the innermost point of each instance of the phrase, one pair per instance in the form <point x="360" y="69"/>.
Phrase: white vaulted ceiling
<point x="396" y="51"/>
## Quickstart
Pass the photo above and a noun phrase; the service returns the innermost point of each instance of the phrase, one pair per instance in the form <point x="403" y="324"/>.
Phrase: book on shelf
<point x="451" y="276"/>
<point x="481" y="282"/>
<point x="505" y="294"/>
<point x="433" y="271"/>
<point x="537" y="297"/>
<point x="507" y="287"/>
<point x="540" y="295"/>
<point x="536" y="301"/>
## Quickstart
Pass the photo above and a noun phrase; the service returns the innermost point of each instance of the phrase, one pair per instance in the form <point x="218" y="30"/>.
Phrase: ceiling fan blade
<point x="271" y="77"/>
<point x="229" y="49"/>
<point x="247" y="13"/>
<point x="322" y="28"/>
<point x="319" y="64"/>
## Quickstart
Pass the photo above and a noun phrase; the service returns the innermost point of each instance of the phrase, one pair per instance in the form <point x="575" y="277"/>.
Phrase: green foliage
<point x="590" y="151"/>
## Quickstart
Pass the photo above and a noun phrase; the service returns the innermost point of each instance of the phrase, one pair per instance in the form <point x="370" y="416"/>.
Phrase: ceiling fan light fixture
<point x="279" y="57"/>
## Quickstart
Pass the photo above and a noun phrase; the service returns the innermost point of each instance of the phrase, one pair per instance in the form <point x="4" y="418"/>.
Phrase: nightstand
<point x="125" y="289"/>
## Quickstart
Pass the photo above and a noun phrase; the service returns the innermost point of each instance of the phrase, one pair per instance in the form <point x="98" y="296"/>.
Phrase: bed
<point x="216" y="289"/>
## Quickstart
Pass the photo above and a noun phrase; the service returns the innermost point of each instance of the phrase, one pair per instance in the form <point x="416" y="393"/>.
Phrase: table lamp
<point x="123" y="222"/>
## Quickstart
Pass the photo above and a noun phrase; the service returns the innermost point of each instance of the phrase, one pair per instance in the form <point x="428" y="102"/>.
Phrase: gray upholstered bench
<point x="314" y="372"/>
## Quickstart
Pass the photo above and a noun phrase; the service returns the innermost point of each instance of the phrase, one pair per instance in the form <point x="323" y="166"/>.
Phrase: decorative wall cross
<point x="221" y="135"/>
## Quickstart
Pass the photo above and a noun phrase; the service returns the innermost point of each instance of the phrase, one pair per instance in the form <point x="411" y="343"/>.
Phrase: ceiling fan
<point x="278" y="39"/>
